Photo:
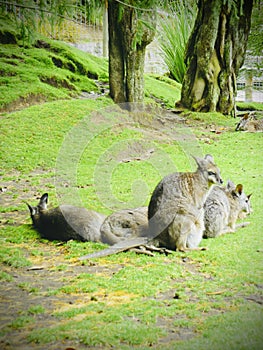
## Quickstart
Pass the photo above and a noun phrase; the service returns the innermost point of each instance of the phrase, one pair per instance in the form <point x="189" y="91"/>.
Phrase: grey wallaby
<point x="250" y="123"/>
<point x="124" y="224"/>
<point x="175" y="211"/>
<point x="66" y="222"/>
<point x="223" y="206"/>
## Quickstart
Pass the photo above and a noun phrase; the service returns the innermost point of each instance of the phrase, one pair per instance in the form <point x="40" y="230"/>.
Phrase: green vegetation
<point x="162" y="89"/>
<point x="13" y="257"/>
<point x="44" y="70"/>
<point x="174" y="32"/>
<point x="184" y="301"/>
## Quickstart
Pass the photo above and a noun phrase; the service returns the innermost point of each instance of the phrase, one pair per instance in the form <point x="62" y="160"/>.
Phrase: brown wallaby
<point x="250" y="123"/>
<point x="66" y="222"/>
<point x="175" y="211"/>
<point x="223" y="206"/>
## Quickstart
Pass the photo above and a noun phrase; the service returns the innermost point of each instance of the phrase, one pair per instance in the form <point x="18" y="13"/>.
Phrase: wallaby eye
<point x="211" y="173"/>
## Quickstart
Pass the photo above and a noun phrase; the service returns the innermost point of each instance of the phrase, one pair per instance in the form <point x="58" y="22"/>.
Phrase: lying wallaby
<point x="124" y="224"/>
<point x="66" y="222"/>
<point x="223" y="206"/>
<point x="176" y="211"/>
<point x="250" y="123"/>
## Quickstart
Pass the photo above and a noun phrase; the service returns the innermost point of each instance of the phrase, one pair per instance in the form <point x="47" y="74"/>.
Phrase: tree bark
<point x="215" y="52"/>
<point x="116" y="63"/>
<point x="128" y="39"/>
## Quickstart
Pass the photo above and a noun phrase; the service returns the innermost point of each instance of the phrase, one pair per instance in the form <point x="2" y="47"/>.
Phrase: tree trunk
<point x="116" y="63"/>
<point x="128" y="39"/>
<point x="215" y="52"/>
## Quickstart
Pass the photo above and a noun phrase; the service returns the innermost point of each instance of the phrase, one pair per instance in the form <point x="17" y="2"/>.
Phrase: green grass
<point x="197" y="300"/>
<point x="45" y="70"/>
<point x="163" y="89"/>
<point x="39" y="139"/>
<point x="146" y="298"/>
<point x="13" y="257"/>
<point x="244" y="331"/>
<point x="5" y="277"/>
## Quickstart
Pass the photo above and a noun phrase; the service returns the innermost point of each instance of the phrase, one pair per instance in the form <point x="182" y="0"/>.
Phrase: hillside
<point x="46" y="70"/>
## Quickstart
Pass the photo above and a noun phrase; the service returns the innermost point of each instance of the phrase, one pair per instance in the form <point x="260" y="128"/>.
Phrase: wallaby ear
<point x="239" y="189"/>
<point x="202" y="162"/>
<point x="43" y="201"/>
<point x="249" y="195"/>
<point x="31" y="209"/>
<point x="230" y="185"/>
<point x="209" y="158"/>
<point x="44" y="198"/>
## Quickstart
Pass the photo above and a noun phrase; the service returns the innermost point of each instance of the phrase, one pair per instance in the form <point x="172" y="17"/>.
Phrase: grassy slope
<point x="44" y="70"/>
<point x="126" y="301"/>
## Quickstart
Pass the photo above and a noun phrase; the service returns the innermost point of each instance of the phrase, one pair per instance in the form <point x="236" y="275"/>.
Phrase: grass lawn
<point x="90" y="151"/>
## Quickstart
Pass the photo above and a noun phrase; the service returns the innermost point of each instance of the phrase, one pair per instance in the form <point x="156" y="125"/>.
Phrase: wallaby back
<point x="223" y="206"/>
<point x="66" y="222"/>
<point x="124" y="224"/>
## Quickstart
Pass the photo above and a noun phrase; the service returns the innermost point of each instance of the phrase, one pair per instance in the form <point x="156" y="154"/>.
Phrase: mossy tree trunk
<point x="215" y="52"/>
<point x="128" y="38"/>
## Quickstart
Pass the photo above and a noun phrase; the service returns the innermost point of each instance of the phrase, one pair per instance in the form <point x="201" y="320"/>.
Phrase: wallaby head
<point x="208" y="168"/>
<point x="238" y="194"/>
<point x="35" y="212"/>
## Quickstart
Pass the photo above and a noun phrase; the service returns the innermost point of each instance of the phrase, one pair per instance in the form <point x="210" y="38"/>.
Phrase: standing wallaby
<point x="66" y="222"/>
<point x="250" y="123"/>
<point x="222" y="207"/>
<point x="175" y="212"/>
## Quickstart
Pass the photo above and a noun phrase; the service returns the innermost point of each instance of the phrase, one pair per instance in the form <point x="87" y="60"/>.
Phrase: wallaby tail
<point x="118" y="247"/>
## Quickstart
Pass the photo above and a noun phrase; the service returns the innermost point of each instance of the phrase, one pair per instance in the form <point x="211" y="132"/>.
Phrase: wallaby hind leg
<point x="181" y="247"/>
<point x="180" y="230"/>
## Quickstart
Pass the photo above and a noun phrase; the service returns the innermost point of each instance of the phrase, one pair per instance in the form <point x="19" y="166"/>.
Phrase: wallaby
<point x="175" y="212"/>
<point x="223" y="206"/>
<point x="124" y="224"/>
<point x="66" y="222"/>
<point x="250" y="123"/>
